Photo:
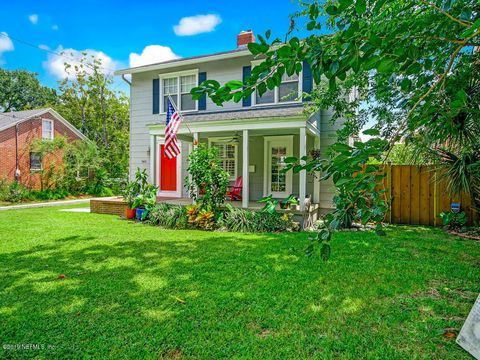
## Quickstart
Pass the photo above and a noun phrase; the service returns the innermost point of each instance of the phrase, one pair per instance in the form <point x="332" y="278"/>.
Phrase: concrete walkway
<point x="45" y="204"/>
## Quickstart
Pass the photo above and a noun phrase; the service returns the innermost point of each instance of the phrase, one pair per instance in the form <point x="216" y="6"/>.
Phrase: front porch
<point x="254" y="149"/>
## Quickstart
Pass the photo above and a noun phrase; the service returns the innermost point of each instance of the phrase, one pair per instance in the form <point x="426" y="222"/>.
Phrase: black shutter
<point x="247" y="70"/>
<point x="156" y="96"/>
<point x="307" y="80"/>
<point x="202" y="102"/>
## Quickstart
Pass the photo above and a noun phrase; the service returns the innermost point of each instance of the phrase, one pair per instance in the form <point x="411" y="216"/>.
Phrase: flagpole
<point x="179" y="113"/>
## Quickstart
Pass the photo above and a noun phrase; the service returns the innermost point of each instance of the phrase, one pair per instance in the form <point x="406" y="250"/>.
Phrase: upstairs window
<point x="35" y="161"/>
<point x="289" y="88"/>
<point x="47" y="129"/>
<point x="178" y="88"/>
<point x="288" y="91"/>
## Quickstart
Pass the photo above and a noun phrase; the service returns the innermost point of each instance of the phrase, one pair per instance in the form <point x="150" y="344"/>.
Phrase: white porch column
<point x="303" y="174"/>
<point x="195" y="140"/>
<point x="153" y="157"/>
<point x="316" y="180"/>
<point x="245" y="169"/>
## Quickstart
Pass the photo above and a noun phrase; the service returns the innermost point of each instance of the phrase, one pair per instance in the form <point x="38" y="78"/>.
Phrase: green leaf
<point x="325" y="252"/>
<point x="290" y="160"/>
<point x="343" y="181"/>
<point x="331" y="10"/>
<point x="360" y="7"/>
<point x="234" y="84"/>
<point x="375" y="40"/>
<point x="385" y="66"/>
<point x="372" y="132"/>
<point x="311" y="25"/>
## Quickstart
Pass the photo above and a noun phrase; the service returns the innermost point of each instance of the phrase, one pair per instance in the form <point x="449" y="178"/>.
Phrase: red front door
<point x="168" y="172"/>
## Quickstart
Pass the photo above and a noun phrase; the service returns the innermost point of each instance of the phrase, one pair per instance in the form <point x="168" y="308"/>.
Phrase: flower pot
<point x="139" y="213"/>
<point x="130" y="213"/>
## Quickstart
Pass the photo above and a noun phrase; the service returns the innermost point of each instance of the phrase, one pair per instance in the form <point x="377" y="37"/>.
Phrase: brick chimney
<point x="245" y="37"/>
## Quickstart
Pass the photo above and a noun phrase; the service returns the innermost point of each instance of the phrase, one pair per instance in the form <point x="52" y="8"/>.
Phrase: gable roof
<point x="241" y="51"/>
<point x="9" y="119"/>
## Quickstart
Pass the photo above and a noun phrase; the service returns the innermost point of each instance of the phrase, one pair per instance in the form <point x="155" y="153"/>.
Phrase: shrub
<point x="241" y="220"/>
<point x="453" y="220"/>
<point x="207" y="177"/>
<point x="168" y="216"/>
<point x="12" y="192"/>
<point x="201" y="218"/>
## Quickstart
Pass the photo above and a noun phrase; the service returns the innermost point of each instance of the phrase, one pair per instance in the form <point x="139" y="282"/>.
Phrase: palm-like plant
<point x="452" y="135"/>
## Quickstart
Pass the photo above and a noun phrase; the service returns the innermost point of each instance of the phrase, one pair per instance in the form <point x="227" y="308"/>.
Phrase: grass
<point x="135" y="291"/>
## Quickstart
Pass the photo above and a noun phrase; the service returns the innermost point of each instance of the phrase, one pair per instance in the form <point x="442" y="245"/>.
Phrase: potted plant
<point x="145" y="201"/>
<point x="129" y="194"/>
<point x="288" y="202"/>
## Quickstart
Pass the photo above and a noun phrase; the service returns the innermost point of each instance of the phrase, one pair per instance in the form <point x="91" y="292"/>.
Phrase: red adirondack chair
<point x="236" y="190"/>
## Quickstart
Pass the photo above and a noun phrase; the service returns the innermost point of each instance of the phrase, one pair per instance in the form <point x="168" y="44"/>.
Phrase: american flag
<point x="173" y="123"/>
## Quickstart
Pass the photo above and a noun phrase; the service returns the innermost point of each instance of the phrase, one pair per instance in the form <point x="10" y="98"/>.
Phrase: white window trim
<point x="177" y="74"/>
<point x="211" y="140"/>
<point x="276" y="97"/>
<point x="282" y="140"/>
<point x="30" y="162"/>
<point x="53" y="129"/>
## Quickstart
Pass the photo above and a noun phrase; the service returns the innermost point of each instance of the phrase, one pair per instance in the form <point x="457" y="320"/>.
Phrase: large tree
<point x="21" y="90"/>
<point x="87" y="100"/>
<point x="404" y="56"/>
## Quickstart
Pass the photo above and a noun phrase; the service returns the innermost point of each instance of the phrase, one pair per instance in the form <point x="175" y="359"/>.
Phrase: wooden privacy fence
<point x="417" y="195"/>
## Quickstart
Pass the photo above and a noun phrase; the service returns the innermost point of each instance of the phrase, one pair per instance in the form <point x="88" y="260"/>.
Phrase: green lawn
<point x="135" y="291"/>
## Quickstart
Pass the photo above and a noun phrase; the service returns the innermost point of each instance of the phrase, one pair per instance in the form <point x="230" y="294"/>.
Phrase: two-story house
<point x="253" y="136"/>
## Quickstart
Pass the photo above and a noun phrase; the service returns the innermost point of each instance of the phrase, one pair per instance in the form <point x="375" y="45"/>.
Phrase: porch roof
<point x="286" y="116"/>
<point x="248" y="113"/>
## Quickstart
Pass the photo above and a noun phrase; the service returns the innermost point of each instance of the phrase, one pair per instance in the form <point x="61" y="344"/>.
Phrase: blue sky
<point x="119" y="30"/>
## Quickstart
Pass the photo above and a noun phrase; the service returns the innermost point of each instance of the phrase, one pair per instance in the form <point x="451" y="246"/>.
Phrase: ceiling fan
<point x="235" y="139"/>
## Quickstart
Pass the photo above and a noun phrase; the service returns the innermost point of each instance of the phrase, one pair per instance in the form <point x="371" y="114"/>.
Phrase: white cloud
<point x="33" y="19"/>
<point x="152" y="54"/>
<point x="44" y="47"/>
<point x="197" y="24"/>
<point x="55" y="64"/>
<point x="55" y="27"/>
<point x="6" y="44"/>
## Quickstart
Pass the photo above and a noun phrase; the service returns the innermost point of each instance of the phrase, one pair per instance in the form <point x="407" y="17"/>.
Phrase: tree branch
<point x="463" y="23"/>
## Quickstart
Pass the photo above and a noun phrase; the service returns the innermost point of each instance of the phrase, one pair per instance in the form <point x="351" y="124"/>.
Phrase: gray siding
<point x="141" y="116"/>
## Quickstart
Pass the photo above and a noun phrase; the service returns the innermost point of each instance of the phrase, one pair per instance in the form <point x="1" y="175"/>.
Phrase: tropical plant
<point x="168" y="216"/>
<point x="290" y="200"/>
<point x="146" y="193"/>
<point x="201" y="218"/>
<point x="270" y="204"/>
<point x="207" y="182"/>
<point x="453" y="220"/>
<point x="242" y="220"/>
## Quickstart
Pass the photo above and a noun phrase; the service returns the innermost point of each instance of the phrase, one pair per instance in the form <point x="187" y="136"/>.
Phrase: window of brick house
<point x="47" y="129"/>
<point x="35" y="161"/>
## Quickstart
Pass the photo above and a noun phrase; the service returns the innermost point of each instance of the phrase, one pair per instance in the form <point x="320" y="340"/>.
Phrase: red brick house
<point x="17" y="131"/>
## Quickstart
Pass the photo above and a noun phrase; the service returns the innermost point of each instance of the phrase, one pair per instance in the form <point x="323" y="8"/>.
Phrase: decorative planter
<point x="130" y="213"/>
<point x="139" y="213"/>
